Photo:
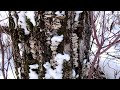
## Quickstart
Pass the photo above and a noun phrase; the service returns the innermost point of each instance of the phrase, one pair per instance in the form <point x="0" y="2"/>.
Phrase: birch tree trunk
<point x="58" y="40"/>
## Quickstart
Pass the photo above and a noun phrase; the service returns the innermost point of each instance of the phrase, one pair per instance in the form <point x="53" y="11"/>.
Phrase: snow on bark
<point x="73" y="73"/>
<point x="55" y="41"/>
<point x="6" y="39"/>
<point x="77" y="15"/>
<point x="60" y="14"/>
<point x="57" y="72"/>
<point x="22" y="22"/>
<point x="21" y="48"/>
<point x="14" y="17"/>
<point x="31" y="16"/>
<point x="56" y="27"/>
<point x="33" y="74"/>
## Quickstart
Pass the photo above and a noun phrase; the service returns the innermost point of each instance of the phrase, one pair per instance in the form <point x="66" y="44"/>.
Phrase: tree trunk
<point x="40" y="46"/>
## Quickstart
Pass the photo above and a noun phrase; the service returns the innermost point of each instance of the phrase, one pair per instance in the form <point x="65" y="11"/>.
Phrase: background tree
<point x="105" y="44"/>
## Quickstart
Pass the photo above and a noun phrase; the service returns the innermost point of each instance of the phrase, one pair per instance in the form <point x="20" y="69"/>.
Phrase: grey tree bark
<point x="39" y="50"/>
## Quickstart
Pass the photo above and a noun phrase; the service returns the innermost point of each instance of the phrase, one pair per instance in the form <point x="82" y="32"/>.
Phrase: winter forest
<point x="59" y="44"/>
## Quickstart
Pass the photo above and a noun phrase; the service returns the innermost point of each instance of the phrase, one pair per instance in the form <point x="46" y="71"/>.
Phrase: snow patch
<point x="22" y="22"/>
<point x="60" y="14"/>
<point x="35" y="66"/>
<point x="31" y="15"/>
<point x="57" y="72"/>
<point x="21" y="48"/>
<point x="111" y="68"/>
<point x="56" y="40"/>
<point x="73" y="73"/>
<point x="77" y="15"/>
<point x="33" y="74"/>
<point x="5" y="39"/>
<point x="59" y="58"/>
<point x="3" y="18"/>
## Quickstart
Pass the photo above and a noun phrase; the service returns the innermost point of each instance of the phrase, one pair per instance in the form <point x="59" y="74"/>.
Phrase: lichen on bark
<point x="37" y="44"/>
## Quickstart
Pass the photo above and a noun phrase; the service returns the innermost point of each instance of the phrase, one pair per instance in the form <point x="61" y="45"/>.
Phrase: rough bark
<point x="76" y="39"/>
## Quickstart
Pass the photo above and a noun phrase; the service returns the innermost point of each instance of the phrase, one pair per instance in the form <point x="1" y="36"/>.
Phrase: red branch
<point x="94" y="30"/>
<point x="100" y="45"/>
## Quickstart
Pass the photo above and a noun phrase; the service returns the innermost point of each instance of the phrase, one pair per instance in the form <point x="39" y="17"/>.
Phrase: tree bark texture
<point x="37" y="44"/>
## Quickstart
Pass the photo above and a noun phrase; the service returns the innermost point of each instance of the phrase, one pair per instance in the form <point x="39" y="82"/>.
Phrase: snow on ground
<point x="111" y="68"/>
<point x="11" y="70"/>
<point x="109" y="65"/>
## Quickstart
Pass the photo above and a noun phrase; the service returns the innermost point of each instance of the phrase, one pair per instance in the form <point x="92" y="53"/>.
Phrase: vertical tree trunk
<point x="39" y="48"/>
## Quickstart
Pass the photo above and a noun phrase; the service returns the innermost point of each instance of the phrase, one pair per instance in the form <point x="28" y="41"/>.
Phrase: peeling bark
<point x="37" y="44"/>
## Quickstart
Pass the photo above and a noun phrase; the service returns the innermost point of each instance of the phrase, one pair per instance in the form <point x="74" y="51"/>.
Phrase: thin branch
<point x="113" y="56"/>
<point x="94" y="30"/>
<point x="2" y="51"/>
<point x="110" y="45"/>
<point x="8" y="17"/>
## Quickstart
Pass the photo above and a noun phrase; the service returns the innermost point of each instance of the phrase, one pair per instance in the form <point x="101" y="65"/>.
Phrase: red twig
<point x="93" y="63"/>
<point x="100" y="44"/>
<point x="94" y="30"/>
<point x="110" y="45"/>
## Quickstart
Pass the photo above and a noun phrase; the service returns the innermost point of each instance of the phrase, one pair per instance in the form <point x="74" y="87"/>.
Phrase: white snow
<point x="56" y="40"/>
<point x="73" y="73"/>
<point x="22" y="21"/>
<point x="7" y="55"/>
<point x="111" y="68"/>
<point x="31" y="15"/>
<point x="57" y="72"/>
<point x="59" y="58"/>
<point x="77" y="15"/>
<point x="3" y="18"/>
<point x="21" y="48"/>
<point x="85" y="61"/>
<point x="60" y="14"/>
<point x="53" y="74"/>
<point x="109" y="65"/>
<point x="47" y="65"/>
<point x="34" y="66"/>
<point x="15" y="20"/>
<point x="5" y="39"/>
<point x="33" y="74"/>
